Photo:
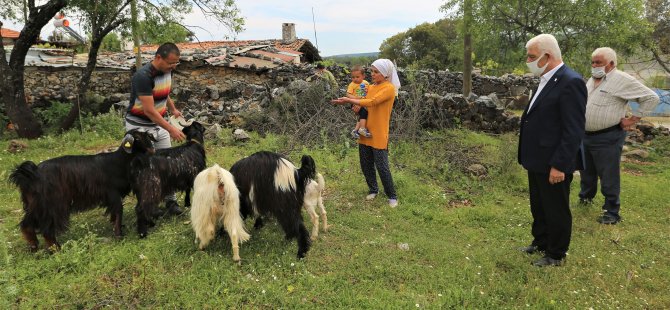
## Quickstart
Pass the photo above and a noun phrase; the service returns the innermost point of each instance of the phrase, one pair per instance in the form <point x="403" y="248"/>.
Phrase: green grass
<point x="462" y="233"/>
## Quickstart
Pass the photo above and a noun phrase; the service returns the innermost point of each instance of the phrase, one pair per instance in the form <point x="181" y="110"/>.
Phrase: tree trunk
<point x="135" y="29"/>
<point x="11" y="74"/>
<point x="467" y="48"/>
<point x="82" y="85"/>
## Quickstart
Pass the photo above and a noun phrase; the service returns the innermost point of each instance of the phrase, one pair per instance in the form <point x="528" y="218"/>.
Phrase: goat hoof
<point x="143" y="235"/>
<point x="32" y="248"/>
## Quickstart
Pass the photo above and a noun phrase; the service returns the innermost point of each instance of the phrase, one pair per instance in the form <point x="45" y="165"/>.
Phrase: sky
<point x="342" y="26"/>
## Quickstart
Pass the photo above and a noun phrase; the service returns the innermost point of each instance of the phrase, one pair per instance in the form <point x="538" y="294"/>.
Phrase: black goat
<point x="270" y="184"/>
<point x="170" y="170"/>
<point x="57" y="187"/>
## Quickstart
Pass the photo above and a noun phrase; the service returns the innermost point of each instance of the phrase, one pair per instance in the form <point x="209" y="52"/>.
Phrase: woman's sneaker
<point x="354" y="134"/>
<point x="393" y="203"/>
<point x="364" y="132"/>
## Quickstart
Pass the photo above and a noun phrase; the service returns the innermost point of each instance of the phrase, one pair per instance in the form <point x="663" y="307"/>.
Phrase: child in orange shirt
<point x="357" y="89"/>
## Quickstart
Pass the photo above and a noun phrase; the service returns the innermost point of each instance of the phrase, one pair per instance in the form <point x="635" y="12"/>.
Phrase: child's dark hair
<point x="320" y="66"/>
<point x="358" y="68"/>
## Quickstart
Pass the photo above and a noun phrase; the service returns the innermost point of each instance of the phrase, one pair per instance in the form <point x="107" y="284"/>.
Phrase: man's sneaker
<point x="393" y="203"/>
<point x="172" y="208"/>
<point x="364" y="132"/>
<point x="355" y="134"/>
<point x="371" y="196"/>
<point x="609" y="219"/>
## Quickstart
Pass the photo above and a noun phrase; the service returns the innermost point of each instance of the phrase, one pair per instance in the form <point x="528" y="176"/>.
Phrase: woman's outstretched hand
<point x="341" y="100"/>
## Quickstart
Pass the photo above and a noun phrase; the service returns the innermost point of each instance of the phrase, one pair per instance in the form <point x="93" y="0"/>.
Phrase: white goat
<point x="216" y="199"/>
<point x="313" y="198"/>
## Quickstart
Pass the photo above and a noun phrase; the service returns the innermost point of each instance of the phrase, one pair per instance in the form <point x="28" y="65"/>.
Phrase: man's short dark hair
<point x="320" y="66"/>
<point x="166" y="49"/>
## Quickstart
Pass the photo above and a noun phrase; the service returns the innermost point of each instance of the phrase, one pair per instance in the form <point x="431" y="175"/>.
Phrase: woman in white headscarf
<point x="373" y="151"/>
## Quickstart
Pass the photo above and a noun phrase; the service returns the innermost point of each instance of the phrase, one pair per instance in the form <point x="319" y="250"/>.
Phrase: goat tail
<point x="25" y="176"/>
<point x="231" y="218"/>
<point x="205" y="205"/>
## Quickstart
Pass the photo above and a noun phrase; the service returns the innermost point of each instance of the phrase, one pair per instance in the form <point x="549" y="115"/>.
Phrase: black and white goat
<point x="270" y="184"/>
<point x="217" y="200"/>
<point x="173" y="169"/>
<point x="314" y="198"/>
<point x="57" y="187"/>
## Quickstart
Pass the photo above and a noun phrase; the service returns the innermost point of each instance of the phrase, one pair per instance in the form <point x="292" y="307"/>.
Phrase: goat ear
<point x="127" y="143"/>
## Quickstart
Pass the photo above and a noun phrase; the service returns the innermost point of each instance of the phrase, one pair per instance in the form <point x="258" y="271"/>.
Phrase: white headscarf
<point x="387" y="69"/>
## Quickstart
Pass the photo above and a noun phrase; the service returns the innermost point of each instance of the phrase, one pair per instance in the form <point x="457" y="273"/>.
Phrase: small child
<point x="357" y="89"/>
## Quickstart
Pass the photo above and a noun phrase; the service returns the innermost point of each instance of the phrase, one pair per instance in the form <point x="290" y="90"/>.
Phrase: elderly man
<point x="552" y="128"/>
<point x="609" y="92"/>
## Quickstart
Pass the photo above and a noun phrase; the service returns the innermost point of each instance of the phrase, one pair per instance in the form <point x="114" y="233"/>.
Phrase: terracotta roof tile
<point x="9" y="33"/>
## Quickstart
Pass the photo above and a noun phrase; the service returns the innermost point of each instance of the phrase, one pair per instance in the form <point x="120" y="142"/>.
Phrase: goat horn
<point x="185" y="125"/>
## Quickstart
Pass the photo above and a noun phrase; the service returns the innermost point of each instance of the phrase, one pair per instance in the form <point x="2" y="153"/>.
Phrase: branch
<point x="168" y="20"/>
<point x="515" y="20"/>
<point x="114" y="21"/>
<point x="660" y="61"/>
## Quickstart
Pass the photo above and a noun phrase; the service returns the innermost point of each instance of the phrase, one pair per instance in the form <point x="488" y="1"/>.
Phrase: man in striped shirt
<point x="609" y="91"/>
<point x="150" y="101"/>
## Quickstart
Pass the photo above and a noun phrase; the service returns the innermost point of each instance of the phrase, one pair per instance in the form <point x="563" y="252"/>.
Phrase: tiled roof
<point x="284" y="58"/>
<point x="294" y="46"/>
<point x="250" y="54"/>
<point x="9" y="33"/>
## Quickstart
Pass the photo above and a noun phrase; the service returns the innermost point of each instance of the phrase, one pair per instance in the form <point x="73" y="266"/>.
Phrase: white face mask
<point x="534" y="69"/>
<point x="598" y="72"/>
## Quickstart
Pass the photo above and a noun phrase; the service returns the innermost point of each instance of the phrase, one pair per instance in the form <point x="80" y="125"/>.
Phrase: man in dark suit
<point x="552" y="128"/>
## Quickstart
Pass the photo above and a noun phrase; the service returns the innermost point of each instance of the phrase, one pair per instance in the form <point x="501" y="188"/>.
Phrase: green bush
<point x="53" y="115"/>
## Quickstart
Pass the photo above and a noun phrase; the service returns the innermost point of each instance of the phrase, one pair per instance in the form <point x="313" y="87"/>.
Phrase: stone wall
<point x="42" y="83"/>
<point x="218" y="94"/>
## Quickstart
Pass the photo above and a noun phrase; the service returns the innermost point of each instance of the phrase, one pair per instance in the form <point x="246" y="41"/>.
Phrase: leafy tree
<point x="99" y="17"/>
<point x="111" y="43"/>
<point x="154" y="31"/>
<point x="500" y="28"/>
<point x="429" y="45"/>
<point x="658" y="15"/>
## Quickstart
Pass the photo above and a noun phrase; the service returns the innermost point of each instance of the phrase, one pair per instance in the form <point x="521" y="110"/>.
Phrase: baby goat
<point x="57" y="187"/>
<point x="170" y="170"/>
<point x="313" y="198"/>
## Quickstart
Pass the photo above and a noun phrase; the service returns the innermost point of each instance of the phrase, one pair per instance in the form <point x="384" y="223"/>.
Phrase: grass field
<point x="462" y="235"/>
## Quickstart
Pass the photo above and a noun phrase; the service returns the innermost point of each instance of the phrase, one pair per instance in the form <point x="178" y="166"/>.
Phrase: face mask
<point x="598" y="72"/>
<point x="534" y="69"/>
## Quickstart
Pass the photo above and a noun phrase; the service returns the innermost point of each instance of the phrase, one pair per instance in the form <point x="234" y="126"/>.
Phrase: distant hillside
<point x="371" y="54"/>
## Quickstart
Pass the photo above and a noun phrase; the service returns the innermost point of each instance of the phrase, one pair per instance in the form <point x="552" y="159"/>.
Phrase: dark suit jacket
<point x="552" y="130"/>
